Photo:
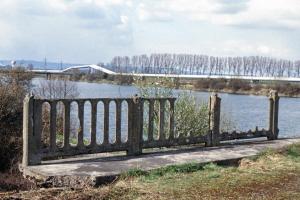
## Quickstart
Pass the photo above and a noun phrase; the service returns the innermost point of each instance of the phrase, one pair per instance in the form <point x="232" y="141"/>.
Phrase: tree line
<point x="190" y="64"/>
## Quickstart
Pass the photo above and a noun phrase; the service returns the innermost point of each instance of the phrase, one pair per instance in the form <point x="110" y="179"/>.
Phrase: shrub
<point x="123" y="79"/>
<point x="217" y="84"/>
<point x="286" y="88"/>
<point x="190" y="118"/>
<point x="14" y="85"/>
<point x="202" y="84"/>
<point x="236" y="84"/>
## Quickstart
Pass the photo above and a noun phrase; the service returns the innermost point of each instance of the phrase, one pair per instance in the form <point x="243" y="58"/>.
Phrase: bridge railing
<point x="150" y="124"/>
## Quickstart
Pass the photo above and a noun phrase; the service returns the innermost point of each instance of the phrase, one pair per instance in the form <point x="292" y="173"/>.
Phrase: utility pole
<point x="45" y="63"/>
<point x="61" y="65"/>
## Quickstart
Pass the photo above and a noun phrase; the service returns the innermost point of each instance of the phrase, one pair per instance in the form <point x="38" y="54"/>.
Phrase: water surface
<point x="246" y="111"/>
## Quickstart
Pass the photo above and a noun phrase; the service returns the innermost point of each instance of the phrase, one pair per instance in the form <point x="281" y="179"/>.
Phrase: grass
<point x="72" y="140"/>
<point x="156" y="173"/>
<point x="270" y="175"/>
<point x="294" y="151"/>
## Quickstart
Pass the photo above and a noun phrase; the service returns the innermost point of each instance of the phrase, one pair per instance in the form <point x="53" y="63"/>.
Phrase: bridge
<point x="70" y="70"/>
<point x="96" y="68"/>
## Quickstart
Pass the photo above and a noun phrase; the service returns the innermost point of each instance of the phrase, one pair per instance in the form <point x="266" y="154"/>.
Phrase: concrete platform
<point x="98" y="168"/>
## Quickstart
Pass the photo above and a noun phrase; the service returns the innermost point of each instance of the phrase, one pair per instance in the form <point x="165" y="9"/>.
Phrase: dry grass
<point x="271" y="175"/>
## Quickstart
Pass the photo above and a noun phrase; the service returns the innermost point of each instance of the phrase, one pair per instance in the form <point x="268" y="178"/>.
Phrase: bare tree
<point x="203" y="64"/>
<point x="57" y="89"/>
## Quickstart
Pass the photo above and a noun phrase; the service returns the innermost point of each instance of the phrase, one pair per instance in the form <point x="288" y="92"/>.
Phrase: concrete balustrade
<point x="150" y="124"/>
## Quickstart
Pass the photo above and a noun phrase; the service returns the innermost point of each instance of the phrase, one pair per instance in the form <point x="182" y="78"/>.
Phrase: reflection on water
<point x="246" y="111"/>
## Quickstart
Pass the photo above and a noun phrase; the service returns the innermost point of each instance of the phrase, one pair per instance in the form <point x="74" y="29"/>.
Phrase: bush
<point x="13" y="87"/>
<point x="217" y="84"/>
<point x="202" y="84"/>
<point x="236" y="84"/>
<point x="286" y="88"/>
<point x="123" y="79"/>
<point x="191" y="118"/>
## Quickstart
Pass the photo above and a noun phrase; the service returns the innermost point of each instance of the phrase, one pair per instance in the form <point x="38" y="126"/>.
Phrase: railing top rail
<point x="101" y="99"/>
<point x="160" y="98"/>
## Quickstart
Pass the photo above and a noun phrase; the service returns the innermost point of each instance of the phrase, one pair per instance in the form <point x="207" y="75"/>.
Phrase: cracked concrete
<point x="94" y="169"/>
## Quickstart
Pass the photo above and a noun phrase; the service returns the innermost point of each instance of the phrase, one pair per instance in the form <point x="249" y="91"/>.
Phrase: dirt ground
<point x="271" y="175"/>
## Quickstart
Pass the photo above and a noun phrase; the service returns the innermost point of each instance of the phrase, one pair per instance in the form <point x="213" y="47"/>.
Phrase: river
<point x="246" y="111"/>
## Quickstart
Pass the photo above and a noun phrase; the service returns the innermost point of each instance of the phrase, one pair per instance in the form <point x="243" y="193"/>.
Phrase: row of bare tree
<point x="202" y="64"/>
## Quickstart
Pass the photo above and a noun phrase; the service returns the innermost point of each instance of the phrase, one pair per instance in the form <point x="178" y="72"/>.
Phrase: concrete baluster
<point x="53" y="113"/>
<point x="106" y="122"/>
<point x="94" y="123"/>
<point x="171" y="119"/>
<point x="161" y="119"/>
<point x="151" y="120"/>
<point x="80" y="143"/>
<point x="67" y="105"/>
<point x="118" y="120"/>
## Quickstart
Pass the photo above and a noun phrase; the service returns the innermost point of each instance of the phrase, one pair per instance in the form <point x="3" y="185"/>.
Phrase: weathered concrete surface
<point x="91" y="170"/>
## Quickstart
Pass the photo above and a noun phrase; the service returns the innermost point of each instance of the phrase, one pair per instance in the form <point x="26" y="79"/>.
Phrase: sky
<point x="92" y="31"/>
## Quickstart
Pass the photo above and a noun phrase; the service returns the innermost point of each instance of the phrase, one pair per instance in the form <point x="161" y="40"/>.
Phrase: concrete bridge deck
<point x="96" y="168"/>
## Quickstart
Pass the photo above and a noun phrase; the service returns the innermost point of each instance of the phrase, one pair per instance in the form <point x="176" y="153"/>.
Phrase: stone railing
<point x="160" y="127"/>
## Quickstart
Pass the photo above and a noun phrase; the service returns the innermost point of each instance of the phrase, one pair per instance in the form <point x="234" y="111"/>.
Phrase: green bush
<point x="191" y="118"/>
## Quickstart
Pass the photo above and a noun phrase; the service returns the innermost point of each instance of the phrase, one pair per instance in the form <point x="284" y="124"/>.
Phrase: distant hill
<point x="37" y="64"/>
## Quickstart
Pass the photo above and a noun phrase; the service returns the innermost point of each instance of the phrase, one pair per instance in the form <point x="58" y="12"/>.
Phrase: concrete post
<point x="30" y="147"/>
<point x="136" y="127"/>
<point x="273" y="115"/>
<point x="214" y="120"/>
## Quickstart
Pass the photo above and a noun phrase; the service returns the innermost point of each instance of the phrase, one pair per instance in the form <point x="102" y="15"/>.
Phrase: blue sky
<point x="89" y="31"/>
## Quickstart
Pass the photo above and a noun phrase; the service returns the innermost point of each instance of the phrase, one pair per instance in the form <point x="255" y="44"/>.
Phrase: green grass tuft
<point x="169" y="170"/>
<point x="294" y="150"/>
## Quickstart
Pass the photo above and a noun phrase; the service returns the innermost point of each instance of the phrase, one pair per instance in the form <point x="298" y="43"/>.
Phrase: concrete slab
<point x="94" y="169"/>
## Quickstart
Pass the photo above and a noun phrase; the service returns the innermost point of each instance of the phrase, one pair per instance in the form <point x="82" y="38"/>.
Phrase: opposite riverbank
<point x="233" y="86"/>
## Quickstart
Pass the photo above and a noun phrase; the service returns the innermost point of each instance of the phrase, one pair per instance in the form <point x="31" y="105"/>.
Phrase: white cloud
<point x="154" y="13"/>
<point x="244" y="13"/>
<point x="245" y="48"/>
<point x="93" y="30"/>
<point x="63" y="28"/>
